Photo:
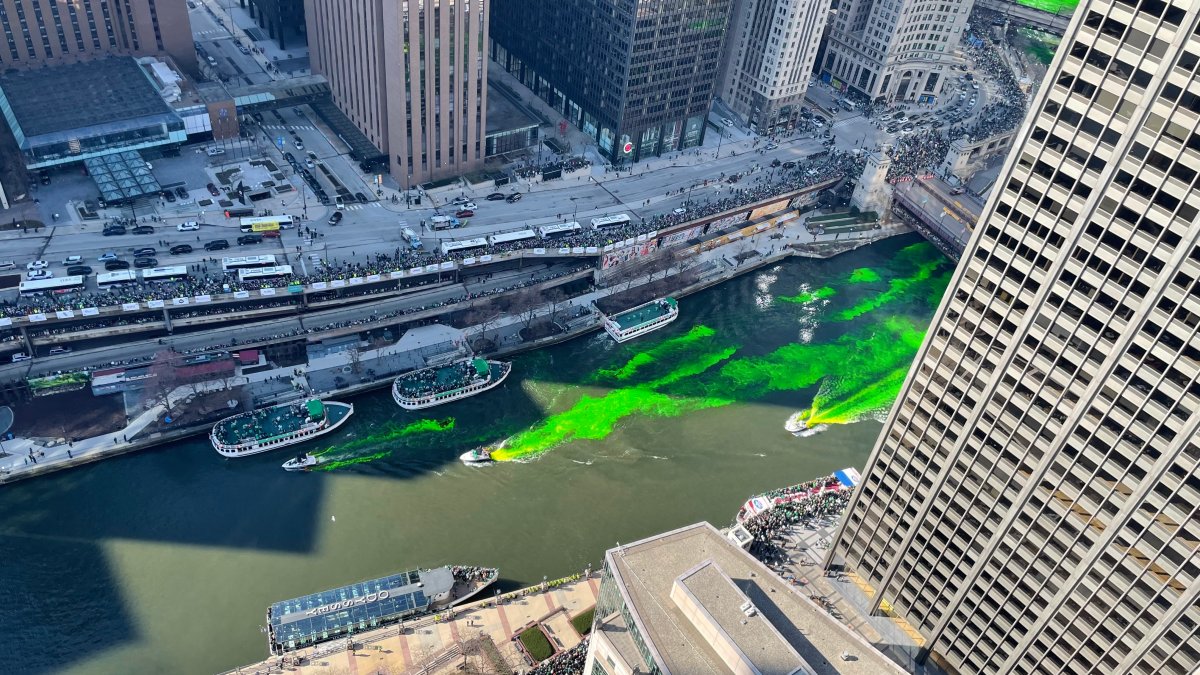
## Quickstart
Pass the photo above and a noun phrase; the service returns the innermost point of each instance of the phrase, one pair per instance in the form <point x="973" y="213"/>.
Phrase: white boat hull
<point x="625" y="336"/>
<point x="299" y="436"/>
<point x="476" y="458"/>
<point x="450" y="397"/>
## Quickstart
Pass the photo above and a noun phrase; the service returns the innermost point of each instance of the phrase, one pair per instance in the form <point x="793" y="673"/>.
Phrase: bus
<point x="264" y="272"/>
<point x="118" y="278"/>
<point x="230" y="265"/>
<point x="60" y="285"/>
<point x="619" y="220"/>
<point x="238" y="213"/>
<point x="510" y="237"/>
<point x="267" y="224"/>
<point x="559" y="231"/>
<point x="460" y="246"/>
<point x="174" y="273"/>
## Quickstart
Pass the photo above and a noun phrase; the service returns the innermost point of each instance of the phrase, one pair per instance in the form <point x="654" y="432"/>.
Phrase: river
<point x="165" y="561"/>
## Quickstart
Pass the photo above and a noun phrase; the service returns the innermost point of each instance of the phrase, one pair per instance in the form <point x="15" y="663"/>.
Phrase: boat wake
<point x="657" y="457"/>
<point x="587" y="463"/>
<point x="810" y="431"/>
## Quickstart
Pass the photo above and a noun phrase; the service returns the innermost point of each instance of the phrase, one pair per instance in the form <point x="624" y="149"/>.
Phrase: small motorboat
<point x="796" y="425"/>
<point x="477" y="457"/>
<point x="302" y="462"/>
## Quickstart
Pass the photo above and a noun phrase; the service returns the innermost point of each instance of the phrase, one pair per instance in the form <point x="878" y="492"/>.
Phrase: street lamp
<point x="575" y="210"/>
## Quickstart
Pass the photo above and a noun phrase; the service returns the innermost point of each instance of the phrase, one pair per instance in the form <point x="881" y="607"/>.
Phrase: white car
<point x="20" y="357"/>
<point x="469" y="205"/>
<point x="459" y="200"/>
<point x="73" y="260"/>
<point x="34" y="275"/>
<point x="37" y="265"/>
<point x="727" y="122"/>
<point x="679" y="211"/>
<point x="190" y="226"/>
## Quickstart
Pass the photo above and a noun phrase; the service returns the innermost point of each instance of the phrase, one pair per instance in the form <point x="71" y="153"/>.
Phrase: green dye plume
<point x="864" y="275"/>
<point x="808" y="296"/>
<point x="668" y="349"/>
<point x="342" y="463"/>
<point x="345" y="453"/>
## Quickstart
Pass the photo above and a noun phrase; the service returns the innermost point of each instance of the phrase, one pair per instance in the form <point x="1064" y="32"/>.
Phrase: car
<point x="143" y="229"/>
<point x="727" y="122"/>
<point x="181" y="249"/>
<point x="733" y="178"/>
<point x="270" y="234"/>
<point x="22" y="356"/>
<point x="818" y="122"/>
<point x="107" y="256"/>
<point x="113" y="265"/>
<point x="776" y="162"/>
<point x="335" y="218"/>
<point x="54" y="351"/>
<point x="309" y="163"/>
<point x="181" y="192"/>
<point x="679" y="211"/>
<point x="464" y="213"/>
<point x="772" y="146"/>
<point x="72" y="260"/>
<point x="34" y="275"/>
<point x="469" y="205"/>
<point x="289" y="157"/>
<point x="514" y="198"/>
<point x="144" y="251"/>
<point x="79" y="271"/>
<point x="957" y="191"/>
<point x="212" y="190"/>
<point x="167" y="195"/>
<point x="460" y="200"/>
<point x="145" y="262"/>
<point x="216" y="245"/>
<point x="789" y="165"/>
<point x="37" y="265"/>
<point x="495" y="197"/>
<point x="113" y="230"/>
<point x="257" y="117"/>
<point x="299" y="144"/>
<point x="339" y="202"/>
<point x="362" y="199"/>
<point x="189" y="226"/>
<point x="246" y="239"/>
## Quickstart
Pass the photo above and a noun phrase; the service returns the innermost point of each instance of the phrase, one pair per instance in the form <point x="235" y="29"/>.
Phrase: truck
<point x="411" y="237"/>
<point x="444" y="222"/>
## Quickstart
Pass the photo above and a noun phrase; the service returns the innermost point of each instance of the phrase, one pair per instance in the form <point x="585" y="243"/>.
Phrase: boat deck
<point x="644" y="314"/>
<point x="262" y="424"/>
<point x="442" y="378"/>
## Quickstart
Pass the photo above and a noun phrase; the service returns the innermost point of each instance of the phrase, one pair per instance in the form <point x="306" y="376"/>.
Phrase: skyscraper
<point x="38" y="32"/>
<point x="411" y="75"/>
<point x="636" y="75"/>
<point x="895" y="50"/>
<point x="769" y="58"/>
<point x="1031" y="505"/>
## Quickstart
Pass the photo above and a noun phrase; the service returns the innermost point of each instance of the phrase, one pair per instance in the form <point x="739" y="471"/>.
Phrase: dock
<point x="480" y="633"/>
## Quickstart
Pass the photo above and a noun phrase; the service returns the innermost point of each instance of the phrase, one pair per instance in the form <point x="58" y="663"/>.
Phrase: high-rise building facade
<point x="283" y="20"/>
<point x="638" y="76"/>
<point x="38" y="32"/>
<point x="1032" y="503"/>
<point x="769" y="58"/>
<point x="894" y="50"/>
<point x="411" y="75"/>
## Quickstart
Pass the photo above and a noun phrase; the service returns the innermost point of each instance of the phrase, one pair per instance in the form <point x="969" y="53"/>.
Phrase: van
<point x="213" y="152"/>
<point x="216" y="245"/>
<point x="246" y="239"/>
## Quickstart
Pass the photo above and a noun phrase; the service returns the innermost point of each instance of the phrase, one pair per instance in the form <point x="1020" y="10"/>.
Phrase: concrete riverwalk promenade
<point x="479" y="635"/>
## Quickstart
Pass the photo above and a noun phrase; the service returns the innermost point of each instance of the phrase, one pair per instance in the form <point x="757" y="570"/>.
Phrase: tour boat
<point x="278" y="426"/>
<point x="340" y="612"/>
<point x="456" y="380"/>
<point x="477" y="457"/>
<point x="641" y="319"/>
<point x="302" y="462"/>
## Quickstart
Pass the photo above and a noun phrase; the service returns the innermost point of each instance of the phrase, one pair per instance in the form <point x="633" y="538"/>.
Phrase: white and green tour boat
<point x="641" y="319"/>
<point x="278" y="426"/>
<point x="456" y="380"/>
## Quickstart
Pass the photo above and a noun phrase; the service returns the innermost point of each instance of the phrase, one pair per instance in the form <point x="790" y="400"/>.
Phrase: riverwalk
<point x="479" y="634"/>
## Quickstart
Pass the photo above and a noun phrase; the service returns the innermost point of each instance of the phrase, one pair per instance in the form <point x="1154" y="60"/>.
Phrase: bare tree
<point x="163" y="380"/>
<point x="554" y="297"/>
<point x="354" y="355"/>
<point x="525" y="304"/>
<point x="485" y="316"/>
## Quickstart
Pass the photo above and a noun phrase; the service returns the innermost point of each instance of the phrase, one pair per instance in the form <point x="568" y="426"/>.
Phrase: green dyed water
<point x="1052" y="6"/>
<point x="166" y="561"/>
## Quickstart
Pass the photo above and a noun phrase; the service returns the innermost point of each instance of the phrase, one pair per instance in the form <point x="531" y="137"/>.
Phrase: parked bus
<point x="118" y="278"/>
<point x="619" y="220"/>
<point x="174" y="273"/>
<point x="60" y="285"/>
<point x="264" y="272"/>
<point x="559" y="231"/>
<point x="267" y="223"/>
<point x="460" y="246"/>
<point x="509" y="237"/>
<point x="230" y="265"/>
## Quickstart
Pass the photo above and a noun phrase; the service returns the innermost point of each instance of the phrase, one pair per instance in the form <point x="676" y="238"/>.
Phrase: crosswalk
<point x="357" y="207"/>
<point x="290" y="127"/>
<point x="209" y="33"/>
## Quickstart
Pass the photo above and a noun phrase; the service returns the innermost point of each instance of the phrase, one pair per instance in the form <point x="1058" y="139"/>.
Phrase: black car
<point x="362" y="199"/>
<point x="181" y="249"/>
<point x="181" y="192"/>
<point x="249" y="239"/>
<point x="789" y="165"/>
<point x="112" y="265"/>
<point x="144" y="251"/>
<point x="143" y="229"/>
<point x="114" y="229"/>
<point x="335" y="218"/>
<point x="514" y="198"/>
<point x="216" y="245"/>
<point x="257" y="117"/>
<point x="79" y="271"/>
<point x="45" y="178"/>
<point x="495" y="197"/>
<point x="288" y="156"/>
<point x="167" y="195"/>
<point x="145" y="262"/>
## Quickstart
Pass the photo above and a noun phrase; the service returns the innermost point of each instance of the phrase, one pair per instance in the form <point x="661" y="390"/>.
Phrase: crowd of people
<point x="1008" y="110"/>
<point x="433" y="381"/>
<point x="917" y="153"/>
<point x="796" y="504"/>
<point x="472" y="573"/>
<point x="570" y="662"/>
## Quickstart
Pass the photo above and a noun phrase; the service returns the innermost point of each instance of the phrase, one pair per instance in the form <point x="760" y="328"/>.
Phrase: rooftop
<point x="504" y="115"/>
<point x="722" y="578"/>
<point x="77" y="95"/>
<point x="645" y="313"/>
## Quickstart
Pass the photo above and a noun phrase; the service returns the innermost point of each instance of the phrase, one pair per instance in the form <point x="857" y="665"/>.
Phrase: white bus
<point x="118" y="278"/>
<point x="264" y="272"/>
<point x="460" y="246"/>
<point x="619" y="220"/>
<point x="60" y="285"/>
<point x="266" y="223"/>
<point x="230" y="265"/>
<point x="509" y="237"/>
<point x="559" y="231"/>
<point x="174" y="273"/>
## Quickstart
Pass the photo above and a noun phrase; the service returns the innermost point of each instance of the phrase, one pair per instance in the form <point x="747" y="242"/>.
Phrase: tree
<point x="554" y="297"/>
<point x="525" y="304"/>
<point x="163" y="380"/>
<point x="354" y="356"/>
<point x="485" y="316"/>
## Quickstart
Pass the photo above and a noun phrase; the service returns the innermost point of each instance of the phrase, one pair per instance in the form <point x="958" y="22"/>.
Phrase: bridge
<point x="945" y="219"/>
